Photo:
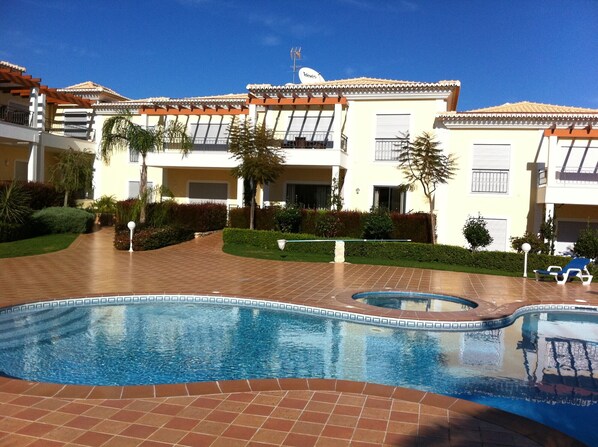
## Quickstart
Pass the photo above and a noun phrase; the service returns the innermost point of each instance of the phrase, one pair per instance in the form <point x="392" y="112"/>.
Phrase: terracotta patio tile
<point x="92" y="439"/>
<point x="138" y="431"/>
<point x="221" y="416"/>
<point x="167" y="435"/>
<point x="200" y="388"/>
<point x="299" y="440"/>
<point x="197" y="439"/>
<point x="181" y="423"/>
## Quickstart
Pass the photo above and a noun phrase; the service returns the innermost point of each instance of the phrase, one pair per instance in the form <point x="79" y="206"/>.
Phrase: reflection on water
<point x="543" y="366"/>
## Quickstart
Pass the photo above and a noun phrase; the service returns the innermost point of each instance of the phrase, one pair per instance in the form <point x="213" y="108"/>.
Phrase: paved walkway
<point x="293" y="412"/>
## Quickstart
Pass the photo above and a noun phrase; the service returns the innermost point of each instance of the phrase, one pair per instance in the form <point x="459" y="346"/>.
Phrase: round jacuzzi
<point x="414" y="301"/>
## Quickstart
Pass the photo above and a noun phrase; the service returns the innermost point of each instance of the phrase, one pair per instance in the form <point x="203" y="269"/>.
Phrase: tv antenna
<point x="295" y="55"/>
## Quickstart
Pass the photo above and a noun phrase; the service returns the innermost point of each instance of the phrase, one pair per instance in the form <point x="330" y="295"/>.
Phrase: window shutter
<point x="492" y="156"/>
<point x="392" y="126"/>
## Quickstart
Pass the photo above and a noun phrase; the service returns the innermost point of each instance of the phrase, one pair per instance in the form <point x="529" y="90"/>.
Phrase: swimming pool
<point x="414" y="301"/>
<point x="539" y="367"/>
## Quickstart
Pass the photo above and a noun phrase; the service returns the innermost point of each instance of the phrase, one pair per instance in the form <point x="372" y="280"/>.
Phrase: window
<point x="211" y="135"/>
<point x="134" y="189"/>
<point x="75" y="123"/>
<point x="133" y="156"/>
<point x="490" y="170"/>
<point x="308" y="196"/>
<point x="392" y="132"/>
<point x="391" y="198"/>
<point x="498" y="230"/>
<point x="208" y="192"/>
<point x="21" y="170"/>
<point x="309" y="130"/>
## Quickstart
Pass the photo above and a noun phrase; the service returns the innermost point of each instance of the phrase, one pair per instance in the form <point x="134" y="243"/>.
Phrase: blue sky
<point x="501" y="51"/>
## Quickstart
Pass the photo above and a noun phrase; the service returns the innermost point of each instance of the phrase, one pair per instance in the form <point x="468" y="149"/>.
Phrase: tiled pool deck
<point x="291" y="412"/>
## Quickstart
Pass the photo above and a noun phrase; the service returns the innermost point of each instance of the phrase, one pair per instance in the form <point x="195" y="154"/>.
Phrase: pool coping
<point x="416" y="322"/>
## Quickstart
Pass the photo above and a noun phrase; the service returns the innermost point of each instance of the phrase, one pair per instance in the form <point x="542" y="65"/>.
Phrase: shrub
<point x="378" y="225"/>
<point x="476" y="233"/>
<point x="587" y="244"/>
<point x="200" y="217"/>
<point x="328" y="224"/>
<point x="414" y="226"/>
<point x="14" y="208"/>
<point x="148" y="238"/>
<point x="537" y="244"/>
<point x="105" y="204"/>
<point x="63" y="220"/>
<point x="288" y="219"/>
<point x="43" y="195"/>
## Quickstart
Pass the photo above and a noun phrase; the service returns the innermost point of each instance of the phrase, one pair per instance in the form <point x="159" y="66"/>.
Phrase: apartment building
<point x="518" y="164"/>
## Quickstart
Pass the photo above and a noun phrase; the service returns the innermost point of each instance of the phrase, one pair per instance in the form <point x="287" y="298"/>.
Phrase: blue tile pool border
<point x="405" y="323"/>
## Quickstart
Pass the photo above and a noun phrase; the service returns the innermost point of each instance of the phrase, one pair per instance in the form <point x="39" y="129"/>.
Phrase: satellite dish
<point x="310" y="76"/>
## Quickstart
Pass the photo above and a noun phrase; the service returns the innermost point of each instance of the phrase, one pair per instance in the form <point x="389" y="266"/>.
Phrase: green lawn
<point x="37" y="245"/>
<point x="254" y="252"/>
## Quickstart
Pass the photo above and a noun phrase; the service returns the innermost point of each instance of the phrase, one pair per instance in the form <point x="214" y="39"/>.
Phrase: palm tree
<point x="260" y="160"/>
<point x="120" y="133"/>
<point x="423" y="162"/>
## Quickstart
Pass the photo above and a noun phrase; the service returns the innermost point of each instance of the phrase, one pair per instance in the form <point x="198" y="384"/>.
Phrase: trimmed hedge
<point x="200" y="217"/>
<point x="14" y="232"/>
<point x="55" y="220"/>
<point x="150" y="238"/>
<point x="268" y="240"/>
<point x="413" y="251"/>
<point x="349" y="224"/>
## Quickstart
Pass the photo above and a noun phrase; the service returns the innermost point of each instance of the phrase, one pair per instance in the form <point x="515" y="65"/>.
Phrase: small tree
<point x="476" y="233"/>
<point x="73" y="171"/>
<point x="378" y="224"/>
<point x="548" y="233"/>
<point x="587" y="243"/>
<point x="260" y="161"/>
<point x="423" y="162"/>
<point x="120" y="133"/>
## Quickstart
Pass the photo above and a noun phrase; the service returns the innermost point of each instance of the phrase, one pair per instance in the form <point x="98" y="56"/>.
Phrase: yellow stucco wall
<point x="457" y="202"/>
<point x="8" y="156"/>
<point x="364" y="172"/>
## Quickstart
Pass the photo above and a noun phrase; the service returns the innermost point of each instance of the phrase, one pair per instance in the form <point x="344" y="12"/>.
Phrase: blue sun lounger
<point x="576" y="268"/>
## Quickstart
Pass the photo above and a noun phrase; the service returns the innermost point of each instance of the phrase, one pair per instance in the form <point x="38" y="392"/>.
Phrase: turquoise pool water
<point x="542" y="366"/>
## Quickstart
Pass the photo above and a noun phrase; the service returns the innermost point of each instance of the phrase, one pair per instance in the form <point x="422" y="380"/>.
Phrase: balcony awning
<point x="17" y="83"/>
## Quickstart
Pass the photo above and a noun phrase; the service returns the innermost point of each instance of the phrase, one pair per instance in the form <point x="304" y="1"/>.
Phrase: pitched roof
<point x="5" y="64"/>
<point x="91" y="87"/>
<point x="531" y="107"/>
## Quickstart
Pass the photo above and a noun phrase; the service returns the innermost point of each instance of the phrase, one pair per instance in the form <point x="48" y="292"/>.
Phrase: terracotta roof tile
<point x="531" y="107"/>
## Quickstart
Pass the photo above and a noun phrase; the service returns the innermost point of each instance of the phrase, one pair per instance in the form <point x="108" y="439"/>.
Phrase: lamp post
<point x="526" y="248"/>
<point x="131" y="226"/>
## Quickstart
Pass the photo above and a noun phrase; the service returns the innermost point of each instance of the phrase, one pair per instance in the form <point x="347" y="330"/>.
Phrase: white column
<point x="337" y="126"/>
<point x="240" y="191"/>
<point x="552" y="160"/>
<point x="253" y="113"/>
<point x="35" y="166"/>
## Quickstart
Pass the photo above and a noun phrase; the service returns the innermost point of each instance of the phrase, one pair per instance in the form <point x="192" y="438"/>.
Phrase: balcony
<point x="568" y="185"/>
<point x="491" y="181"/>
<point x="14" y="116"/>
<point x="388" y="149"/>
<point x="309" y="140"/>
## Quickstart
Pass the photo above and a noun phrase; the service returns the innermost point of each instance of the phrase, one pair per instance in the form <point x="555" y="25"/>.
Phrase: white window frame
<point x="500" y="169"/>
<point x="391" y="137"/>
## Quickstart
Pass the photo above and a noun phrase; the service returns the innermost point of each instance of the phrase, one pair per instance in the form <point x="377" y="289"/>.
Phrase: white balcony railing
<point x="490" y="181"/>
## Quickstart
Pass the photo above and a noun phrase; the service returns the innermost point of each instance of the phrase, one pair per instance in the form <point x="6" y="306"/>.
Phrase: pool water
<point x="542" y="366"/>
<point x="414" y="301"/>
